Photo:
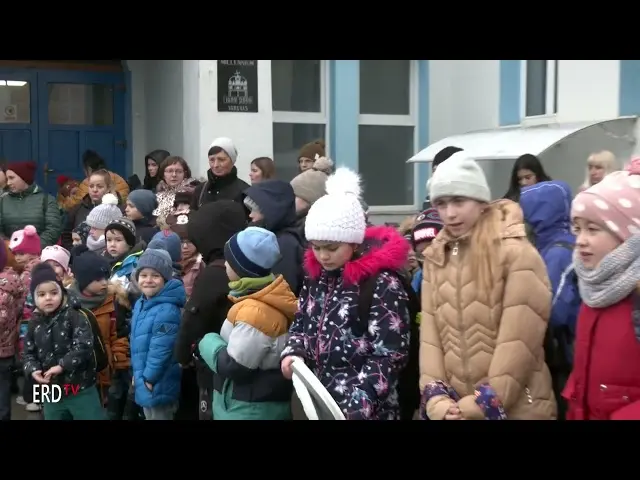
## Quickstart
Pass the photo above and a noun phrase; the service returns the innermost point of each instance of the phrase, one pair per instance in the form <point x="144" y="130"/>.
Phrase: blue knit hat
<point x="252" y="253"/>
<point x="168" y="241"/>
<point x="158" y="260"/>
<point x="144" y="200"/>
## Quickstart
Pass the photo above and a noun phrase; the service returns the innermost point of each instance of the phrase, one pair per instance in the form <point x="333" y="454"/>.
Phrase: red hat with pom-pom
<point x="25" y="241"/>
<point x="61" y="180"/>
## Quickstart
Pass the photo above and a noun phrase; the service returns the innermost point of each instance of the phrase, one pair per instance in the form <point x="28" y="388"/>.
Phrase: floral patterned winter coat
<point x="358" y="363"/>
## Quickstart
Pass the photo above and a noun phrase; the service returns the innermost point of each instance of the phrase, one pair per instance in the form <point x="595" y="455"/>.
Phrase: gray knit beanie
<point x="157" y="260"/>
<point x="105" y="213"/>
<point x="459" y="176"/>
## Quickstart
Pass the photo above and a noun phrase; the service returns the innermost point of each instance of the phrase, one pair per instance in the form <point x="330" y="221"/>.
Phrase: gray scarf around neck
<point x="614" y="279"/>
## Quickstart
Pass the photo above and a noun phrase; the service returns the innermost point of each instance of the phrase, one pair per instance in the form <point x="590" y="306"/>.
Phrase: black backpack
<point x="408" y="389"/>
<point x="99" y="350"/>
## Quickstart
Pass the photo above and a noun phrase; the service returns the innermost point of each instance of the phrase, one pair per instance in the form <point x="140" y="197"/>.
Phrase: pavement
<point x="19" y="412"/>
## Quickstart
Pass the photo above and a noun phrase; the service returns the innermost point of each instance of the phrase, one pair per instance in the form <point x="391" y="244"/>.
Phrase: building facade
<point x="373" y="114"/>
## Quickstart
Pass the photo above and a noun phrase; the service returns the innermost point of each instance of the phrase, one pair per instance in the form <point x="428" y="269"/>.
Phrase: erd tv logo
<point x="53" y="393"/>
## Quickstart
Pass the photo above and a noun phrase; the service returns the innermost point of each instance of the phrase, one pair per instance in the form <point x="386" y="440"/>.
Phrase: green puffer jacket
<point x="34" y="207"/>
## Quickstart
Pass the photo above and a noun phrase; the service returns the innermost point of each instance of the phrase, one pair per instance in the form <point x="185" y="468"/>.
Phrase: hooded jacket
<point x="245" y="356"/>
<point x="209" y="229"/>
<point x="276" y="201"/>
<point x="547" y="210"/>
<point x="359" y="364"/>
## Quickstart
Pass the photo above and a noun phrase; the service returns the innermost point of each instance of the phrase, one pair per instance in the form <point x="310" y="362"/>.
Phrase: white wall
<point x="175" y="107"/>
<point x="588" y="90"/>
<point x="251" y="132"/>
<point x="463" y="96"/>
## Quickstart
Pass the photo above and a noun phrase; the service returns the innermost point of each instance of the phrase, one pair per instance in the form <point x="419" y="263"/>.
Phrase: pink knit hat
<point x="58" y="254"/>
<point x="25" y="241"/>
<point x="613" y="203"/>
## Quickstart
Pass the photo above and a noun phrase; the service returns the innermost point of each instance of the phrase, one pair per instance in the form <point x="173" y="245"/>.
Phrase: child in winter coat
<point x="91" y="272"/>
<point x="26" y="247"/>
<point x="427" y="227"/>
<point x="358" y="361"/>
<point x="169" y="242"/>
<point x="605" y="380"/>
<point x="547" y="211"/>
<point x="139" y="209"/>
<point x="485" y="306"/>
<point x="245" y="356"/>
<point x="156" y="318"/>
<point x="11" y="303"/>
<point x="98" y="219"/>
<point x="58" y="258"/>
<point x="59" y="349"/>
<point x="191" y="261"/>
<point x="80" y="234"/>
<point x="124" y="251"/>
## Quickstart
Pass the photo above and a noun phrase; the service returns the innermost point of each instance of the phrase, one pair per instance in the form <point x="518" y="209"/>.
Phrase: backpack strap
<point x="205" y="187"/>
<point x="365" y="298"/>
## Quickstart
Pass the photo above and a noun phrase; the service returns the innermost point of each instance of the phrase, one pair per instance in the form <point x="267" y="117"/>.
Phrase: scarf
<point x="247" y="286"/>
<point x="96" y="245"/>
<point x="614" y="279"/>
<point x="89" y="302"/>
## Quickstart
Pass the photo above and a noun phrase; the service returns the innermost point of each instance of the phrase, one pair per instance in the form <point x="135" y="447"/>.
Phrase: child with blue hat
<point x="253" y="335"/>
<point x="154" y="330"/>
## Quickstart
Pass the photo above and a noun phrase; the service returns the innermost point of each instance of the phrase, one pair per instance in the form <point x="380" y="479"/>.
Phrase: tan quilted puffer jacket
<point x="469" y="338"/>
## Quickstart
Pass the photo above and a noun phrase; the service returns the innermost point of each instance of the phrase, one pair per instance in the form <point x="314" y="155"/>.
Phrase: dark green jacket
<point x="34" y="207"/>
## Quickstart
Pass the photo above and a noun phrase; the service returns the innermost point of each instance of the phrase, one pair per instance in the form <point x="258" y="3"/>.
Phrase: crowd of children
<point x="442" y="318"/>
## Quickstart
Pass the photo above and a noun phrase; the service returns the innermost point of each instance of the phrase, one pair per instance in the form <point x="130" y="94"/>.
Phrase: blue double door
<point x="52" y="117"/>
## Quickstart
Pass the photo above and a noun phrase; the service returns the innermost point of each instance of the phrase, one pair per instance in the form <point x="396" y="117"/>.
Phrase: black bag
<point x="99" y="350"/>
<point x="408" y="389"/>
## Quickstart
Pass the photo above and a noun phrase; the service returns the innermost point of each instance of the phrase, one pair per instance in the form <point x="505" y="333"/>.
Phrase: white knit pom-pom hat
<point x="105" y="213"/>
<point x="338" y="216"/>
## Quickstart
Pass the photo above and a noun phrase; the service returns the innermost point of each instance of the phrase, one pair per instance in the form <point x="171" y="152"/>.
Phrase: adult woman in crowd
<point x="599" y="165"/>
<point x="28" y="204"/>
<point x="526" y="171"/>
<point x="176" y="177"/>
<point x="485" y="306"/>
<point x="222" y="177"/>
<point x="91" y="161"/>
<point x="309" y="153"/>
<point x="262" y="168"/>
<point x="99" y="185"/>
<point x="152" y="163"/>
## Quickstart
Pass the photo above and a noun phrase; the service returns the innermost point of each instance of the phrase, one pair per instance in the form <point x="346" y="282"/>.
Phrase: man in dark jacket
<point x="272" y="205"/>
<point x="209" y="228"/>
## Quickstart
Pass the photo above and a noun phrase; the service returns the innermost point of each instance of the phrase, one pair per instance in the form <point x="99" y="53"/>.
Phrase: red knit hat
<point x="61" y="180"/>
<point x="25" y="241"/>
<point x="25" y="170"/>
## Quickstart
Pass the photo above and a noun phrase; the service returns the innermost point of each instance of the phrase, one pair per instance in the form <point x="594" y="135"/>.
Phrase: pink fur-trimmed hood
<point x="385" y="248"/>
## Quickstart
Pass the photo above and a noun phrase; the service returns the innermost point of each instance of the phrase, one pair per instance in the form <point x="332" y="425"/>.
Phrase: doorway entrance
<point x="53" y="116"/>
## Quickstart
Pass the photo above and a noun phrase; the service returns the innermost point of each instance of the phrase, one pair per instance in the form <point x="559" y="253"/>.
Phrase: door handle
<point x="47" y="171"/>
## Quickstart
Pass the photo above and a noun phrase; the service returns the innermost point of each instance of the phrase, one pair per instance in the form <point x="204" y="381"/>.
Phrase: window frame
<point x="318" y="118"/>
<point x="410" y="120"/>
<point x="551" y="94"/>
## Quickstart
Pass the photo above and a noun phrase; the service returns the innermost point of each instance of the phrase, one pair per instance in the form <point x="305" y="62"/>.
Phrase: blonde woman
<point x="599" y="165"/>
<point x="485" y="306"/>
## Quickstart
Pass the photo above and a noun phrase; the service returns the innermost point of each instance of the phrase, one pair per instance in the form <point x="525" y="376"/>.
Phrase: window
<point x="78" y="104"/>
<point x="15" y="101"/>
<point x="387" y="133"/>
<point x="540" y="85"/>
<point x="299" y="96"/>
